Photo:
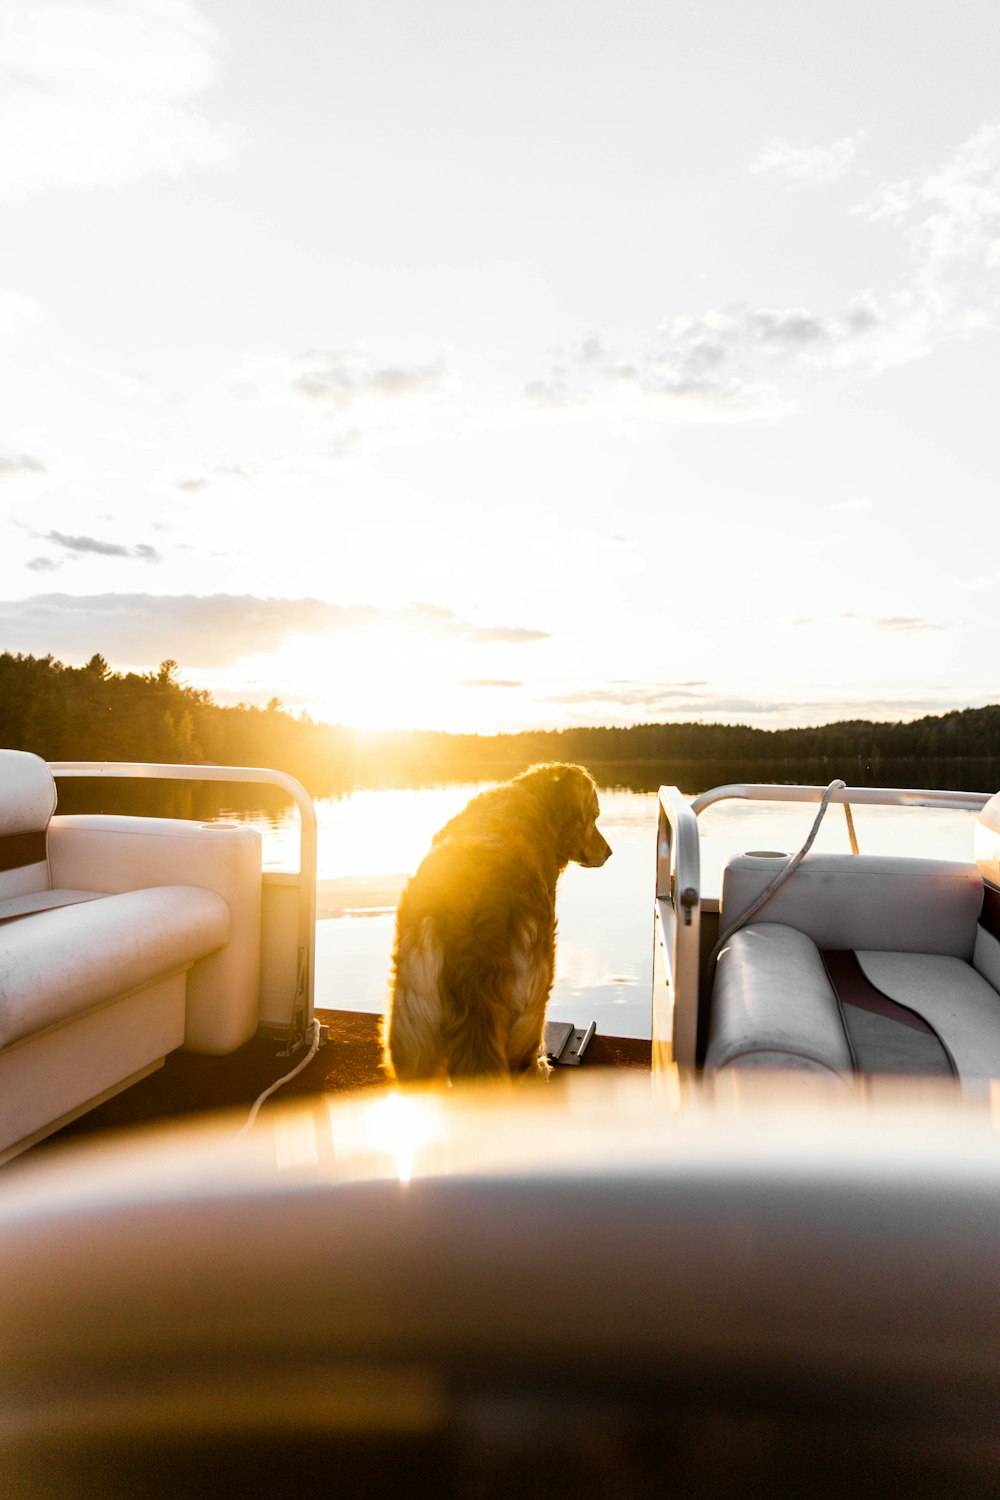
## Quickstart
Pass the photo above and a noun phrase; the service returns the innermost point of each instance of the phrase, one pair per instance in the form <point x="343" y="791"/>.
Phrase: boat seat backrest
<point x="863" y="901"/>
<point x="27" y="802"/>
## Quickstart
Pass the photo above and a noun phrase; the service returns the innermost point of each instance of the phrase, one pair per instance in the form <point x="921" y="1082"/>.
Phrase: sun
<point x="389" y="676"/>
<point x="380" y="678"/>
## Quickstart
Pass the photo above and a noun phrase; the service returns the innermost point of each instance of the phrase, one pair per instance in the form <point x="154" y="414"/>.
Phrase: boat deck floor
<point x="189" y="1084"/>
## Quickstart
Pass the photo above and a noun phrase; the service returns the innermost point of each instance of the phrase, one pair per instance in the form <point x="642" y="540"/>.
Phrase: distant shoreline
<point x="94" y="713"/>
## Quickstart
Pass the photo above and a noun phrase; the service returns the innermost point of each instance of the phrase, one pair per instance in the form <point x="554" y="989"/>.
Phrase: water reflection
<point x="372" y="838"/>
<point x="604" y="953"/>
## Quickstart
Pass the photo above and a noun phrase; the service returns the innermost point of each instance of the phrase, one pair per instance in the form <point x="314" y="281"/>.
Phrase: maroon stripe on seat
<point x="18" y="849"/>
<point x="855" y="988"/>
<point x="989" y="917"/>
<point x="884" y="1036"/>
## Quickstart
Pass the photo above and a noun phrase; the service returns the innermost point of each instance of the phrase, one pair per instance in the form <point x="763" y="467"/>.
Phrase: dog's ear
<point x="570" y="793"/>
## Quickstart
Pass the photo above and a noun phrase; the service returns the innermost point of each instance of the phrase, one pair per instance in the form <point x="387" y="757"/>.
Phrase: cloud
<point x="99" y="93"/>
<point x="743" y="362"/>
<point x="17" y="465"/>
<point x="811" y="164"/>
<point x="82" y="546"/>
<point x="951" y="219"/>
<point x="437" y="620"/>
<point x="338" y="381"/>
<point x="511" y="635"/>
<point x="623" y="692"/>
<point x="664" y="699"/>
<point x="212" y="630"/>
<point x="353" y="397"/>
<point x="893" y="624"/>
<point x="489" y="682"/>
<point x="734" y="362"/>
<point x="907" y="624"/>
<point x="194" y="484"/>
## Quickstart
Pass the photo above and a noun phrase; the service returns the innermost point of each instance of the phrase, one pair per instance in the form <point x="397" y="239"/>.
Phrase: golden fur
<point x="474" y="956"/>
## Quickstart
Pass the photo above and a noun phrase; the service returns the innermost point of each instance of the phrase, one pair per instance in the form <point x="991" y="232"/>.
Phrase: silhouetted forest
<point x="93" y="713"/>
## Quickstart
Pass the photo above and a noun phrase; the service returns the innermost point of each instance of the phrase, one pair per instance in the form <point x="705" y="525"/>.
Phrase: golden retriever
<point x="474" y="955"/>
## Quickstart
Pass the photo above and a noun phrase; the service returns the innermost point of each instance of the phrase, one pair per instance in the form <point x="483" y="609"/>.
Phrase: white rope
<point x="783" y="874"/>
<point x="314" y="1027"/>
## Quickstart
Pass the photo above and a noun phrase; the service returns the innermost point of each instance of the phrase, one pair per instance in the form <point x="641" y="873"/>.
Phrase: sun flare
<point x="395" y="677"/>
<point x="369" y="679"/>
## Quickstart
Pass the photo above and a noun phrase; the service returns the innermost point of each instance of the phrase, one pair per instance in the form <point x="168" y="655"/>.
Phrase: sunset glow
<point x="481" y="368"/>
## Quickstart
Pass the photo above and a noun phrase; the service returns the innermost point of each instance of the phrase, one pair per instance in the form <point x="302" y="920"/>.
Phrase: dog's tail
<point x="475" y="991"/>
<point x="443" y="1026"/>
<point x="412" y="1044"/>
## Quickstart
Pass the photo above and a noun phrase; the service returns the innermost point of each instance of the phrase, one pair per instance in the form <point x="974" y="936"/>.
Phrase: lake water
<point x="370" y="841"/>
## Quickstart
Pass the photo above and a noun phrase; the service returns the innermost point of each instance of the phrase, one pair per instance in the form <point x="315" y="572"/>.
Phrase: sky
<point x="490" y="366"/>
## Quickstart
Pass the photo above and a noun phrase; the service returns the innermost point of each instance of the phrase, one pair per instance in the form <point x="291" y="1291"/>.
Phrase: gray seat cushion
<point x="957" y="1002"/>
<point x="773" y="1005"/>
<point x="863" y="901"/>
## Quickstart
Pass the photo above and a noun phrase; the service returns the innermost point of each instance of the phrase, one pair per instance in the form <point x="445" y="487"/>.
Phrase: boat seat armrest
<point x="117" y="854"/>
<point x="55" y="965"/>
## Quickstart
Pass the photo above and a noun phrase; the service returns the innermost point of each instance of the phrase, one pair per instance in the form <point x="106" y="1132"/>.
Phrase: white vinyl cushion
<point x="53" y="1074"/>
<point x="27" y="793"/>
<point x="57" y="964"/>
<point x="27" y="801"/>
<point x="114" y="854"/>
<point x="863" y="901"/>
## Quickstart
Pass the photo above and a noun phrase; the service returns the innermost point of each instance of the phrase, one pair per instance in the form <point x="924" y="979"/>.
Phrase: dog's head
<point x="570" y="799"/>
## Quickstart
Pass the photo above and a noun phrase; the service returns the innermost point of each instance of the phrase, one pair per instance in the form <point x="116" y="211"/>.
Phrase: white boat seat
<point x="863" y="965"/>
<point x="121" y="939"/>
<point x="57" y="964"/>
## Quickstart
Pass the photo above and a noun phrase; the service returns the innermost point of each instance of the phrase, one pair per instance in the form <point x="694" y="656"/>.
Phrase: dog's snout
<point x="596" y="852"/>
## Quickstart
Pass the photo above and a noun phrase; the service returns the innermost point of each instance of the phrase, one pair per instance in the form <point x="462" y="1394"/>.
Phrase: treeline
<point x="848" y="746"/>
<point x="93" y="713"/>
<point x="973" y="732"/>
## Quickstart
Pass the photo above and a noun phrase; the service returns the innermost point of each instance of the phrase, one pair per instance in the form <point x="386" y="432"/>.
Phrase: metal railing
<point x="874" y="796"/>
